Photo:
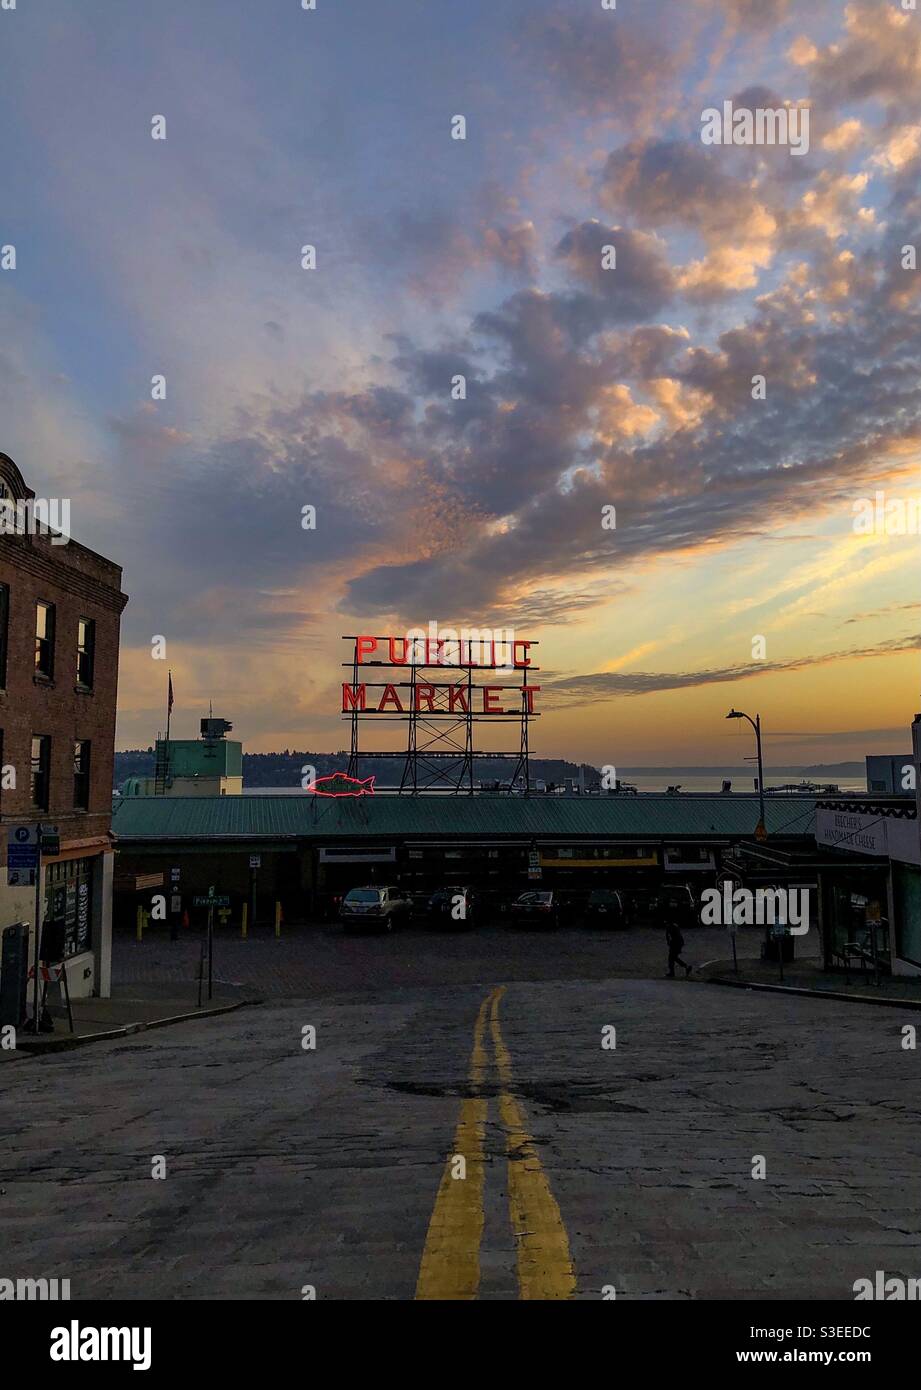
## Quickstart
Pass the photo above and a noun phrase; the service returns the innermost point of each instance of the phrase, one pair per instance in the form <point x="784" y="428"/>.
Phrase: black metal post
<point x="210" y="948"/>
<point x="70" y="1016"/>
<point x="353" y="750"/>
<point x="469" y="726"/>
<point x="760" y="768"/>
<point x="38" y="923"/>
<point x="525" y="741"/>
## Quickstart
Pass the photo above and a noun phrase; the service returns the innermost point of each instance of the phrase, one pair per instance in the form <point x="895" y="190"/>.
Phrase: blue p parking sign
<point x="21" y="856"/>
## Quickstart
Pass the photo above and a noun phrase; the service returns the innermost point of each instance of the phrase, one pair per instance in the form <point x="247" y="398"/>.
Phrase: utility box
<point x="14" y="975"/>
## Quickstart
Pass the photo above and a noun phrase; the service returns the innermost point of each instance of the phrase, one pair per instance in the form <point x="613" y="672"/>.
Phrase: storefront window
<point x="906" y="885"/>
<point x="68" y="900"/>
<point x="859" y="925"/>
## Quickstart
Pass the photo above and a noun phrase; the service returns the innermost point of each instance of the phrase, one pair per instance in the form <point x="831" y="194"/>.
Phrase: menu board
<point x="68" y="907"/>
<point x="70" y="918"/>
<point x="83" y="914"/>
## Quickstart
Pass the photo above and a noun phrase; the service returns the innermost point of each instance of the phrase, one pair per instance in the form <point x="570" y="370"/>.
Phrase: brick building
<point x="60" y="610"/>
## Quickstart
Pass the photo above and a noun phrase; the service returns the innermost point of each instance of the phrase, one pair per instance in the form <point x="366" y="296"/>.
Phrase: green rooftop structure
<point x="211" y="765"/>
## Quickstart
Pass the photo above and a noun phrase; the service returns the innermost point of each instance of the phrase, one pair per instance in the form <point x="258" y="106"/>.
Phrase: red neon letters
<point x="434" y="699"/>
<point x="435" y="651"/>
<point x="471" y="649"/>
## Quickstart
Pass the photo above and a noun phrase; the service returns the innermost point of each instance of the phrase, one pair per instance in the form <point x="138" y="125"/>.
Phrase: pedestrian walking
<point x="675" y="943"/>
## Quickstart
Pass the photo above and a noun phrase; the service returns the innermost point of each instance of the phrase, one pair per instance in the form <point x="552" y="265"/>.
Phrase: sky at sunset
<point x="586" y="387"/>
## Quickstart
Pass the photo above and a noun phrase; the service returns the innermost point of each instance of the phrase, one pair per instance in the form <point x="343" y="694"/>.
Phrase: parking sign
<point x="21" y="856"/>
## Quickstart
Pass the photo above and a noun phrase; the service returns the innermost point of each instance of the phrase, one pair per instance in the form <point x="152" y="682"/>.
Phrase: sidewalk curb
<point x="68" y="1043"/>
<point x="914" y="1004"/>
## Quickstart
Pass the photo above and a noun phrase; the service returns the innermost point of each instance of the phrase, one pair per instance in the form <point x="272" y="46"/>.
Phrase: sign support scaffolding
<point x="440" y="752"/>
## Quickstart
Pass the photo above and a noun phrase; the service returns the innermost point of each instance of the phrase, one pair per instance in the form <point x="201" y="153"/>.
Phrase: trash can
<point x="14" y="975"/>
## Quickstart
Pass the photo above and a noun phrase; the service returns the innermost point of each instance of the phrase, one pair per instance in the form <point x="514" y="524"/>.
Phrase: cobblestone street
<point x="625" y="1168"/>
<point x="312" y="960"/>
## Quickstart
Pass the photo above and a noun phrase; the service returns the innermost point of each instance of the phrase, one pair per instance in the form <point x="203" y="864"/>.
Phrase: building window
<point x="86" y="651"/>
<point x="68" y="903"/>
<point x="41" y="771"/>
<point x="44" y="640"/>
<point x="82" y="774"/>
<point x="4" y="630"/>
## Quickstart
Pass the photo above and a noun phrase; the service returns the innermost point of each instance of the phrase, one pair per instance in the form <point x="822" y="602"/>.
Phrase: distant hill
<point x="286" y="769"/>
<point x="134" y="762"/>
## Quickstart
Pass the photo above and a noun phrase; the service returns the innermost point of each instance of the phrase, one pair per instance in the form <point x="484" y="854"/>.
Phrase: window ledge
<point x="43" y="680"/>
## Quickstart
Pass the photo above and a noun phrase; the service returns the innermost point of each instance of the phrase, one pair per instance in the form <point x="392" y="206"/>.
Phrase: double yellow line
<point x="450" y="1267"/>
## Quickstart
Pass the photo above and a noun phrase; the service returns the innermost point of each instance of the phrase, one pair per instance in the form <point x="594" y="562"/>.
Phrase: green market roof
<point x="308" y="817"/>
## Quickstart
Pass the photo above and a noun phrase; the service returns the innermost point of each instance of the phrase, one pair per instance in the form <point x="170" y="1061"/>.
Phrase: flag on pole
<point x="169" y="703"/>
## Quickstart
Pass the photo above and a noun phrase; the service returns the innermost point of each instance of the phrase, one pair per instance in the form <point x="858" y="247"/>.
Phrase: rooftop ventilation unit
<point x="215" y="728"/>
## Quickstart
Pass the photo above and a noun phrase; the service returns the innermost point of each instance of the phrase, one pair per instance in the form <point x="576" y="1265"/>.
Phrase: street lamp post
<point x="756" y="725"/>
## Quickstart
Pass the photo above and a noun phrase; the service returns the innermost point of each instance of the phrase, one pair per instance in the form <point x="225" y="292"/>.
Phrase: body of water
<point x="712" y="781"/>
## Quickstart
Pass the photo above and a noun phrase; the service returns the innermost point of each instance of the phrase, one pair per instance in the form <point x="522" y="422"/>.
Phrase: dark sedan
<point x="536" y="910"/>
<point x="605" y="908"/>
<point x="451" y="907"/>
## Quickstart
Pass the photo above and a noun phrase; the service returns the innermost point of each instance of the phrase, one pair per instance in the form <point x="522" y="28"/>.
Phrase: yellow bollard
<point x="278" y="919"/>
<point x="245" y="922"/>
<point x="140" y="925"/>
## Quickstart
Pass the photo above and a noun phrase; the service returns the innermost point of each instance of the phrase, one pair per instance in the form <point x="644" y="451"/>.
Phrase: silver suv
<point x="374" y="907"/>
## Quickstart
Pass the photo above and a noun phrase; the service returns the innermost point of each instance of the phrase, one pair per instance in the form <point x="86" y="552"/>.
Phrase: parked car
<point x="376" y="907"/>
<point x="678" y="904"/>
<point x="653" y="907"/>
<point x="536" y="910"/>
<point x="605" y="908"/>
<point x="452" y="907"/>
<point x="418" y="903"/>
<point x="639" y="906"/>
